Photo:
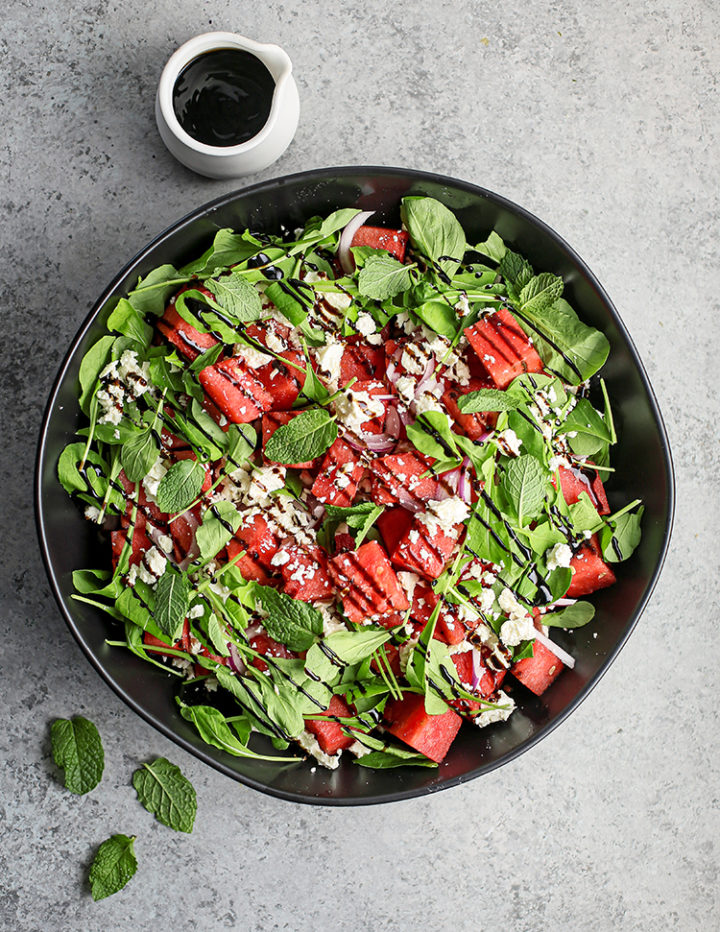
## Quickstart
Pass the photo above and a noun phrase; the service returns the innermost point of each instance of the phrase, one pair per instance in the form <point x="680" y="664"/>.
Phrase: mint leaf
<point x="435" y="232"/>
<point x="524" y="483"/>
<point x="289" y="621"/>
<point x="383" y="277"/>
<point x="304" y="438"/>
<point x="114" y="864"/>
<point x="487" y="399"/>
<point x="515" y="269"/>
<point x="172" y="600"/>
<point x="574" y="616"/>
<point x="163" y="790"/>
<point x="208" y="358"/>
<point x="220" y="523"/>
<point x="237" y="296"/>
<point x="139" y="454"/>
<point x="540" y="292"/>
<point x="180" y="486"/>
<point x="93" y="362"/>
<point x="77" y="748"/>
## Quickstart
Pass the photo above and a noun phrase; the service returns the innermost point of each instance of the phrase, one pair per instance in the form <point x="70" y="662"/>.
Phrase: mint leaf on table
<point x="524" y="483"/>
<point x="304" y="438"/>
<point x="114" y="864"/>
<point x="434" y="231"/>
<point x="139" y="454"/>
<point x="77" y="748"/>
<point x="219" y="524"/>
<point x="237" y="296"/>
<point x="180" y="486"/>
<point x="289" y="621"/>
<point x="163" y="790"/>
<point x="172" y="600"/>
<point x="383" y="277"/>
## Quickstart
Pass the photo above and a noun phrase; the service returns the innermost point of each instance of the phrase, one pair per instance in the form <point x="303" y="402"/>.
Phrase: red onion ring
<point x="558" y="651"/>
<point x="343" y="253"/>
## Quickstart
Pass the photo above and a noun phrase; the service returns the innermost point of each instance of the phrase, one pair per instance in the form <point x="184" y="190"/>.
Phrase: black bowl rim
<point x="110" y="291"/>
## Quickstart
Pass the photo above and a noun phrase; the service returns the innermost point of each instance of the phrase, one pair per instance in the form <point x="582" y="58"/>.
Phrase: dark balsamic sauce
<point x="223" y="98"/>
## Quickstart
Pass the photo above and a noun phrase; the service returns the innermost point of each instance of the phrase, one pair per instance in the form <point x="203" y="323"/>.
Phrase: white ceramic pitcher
<point x="251" y="156"/>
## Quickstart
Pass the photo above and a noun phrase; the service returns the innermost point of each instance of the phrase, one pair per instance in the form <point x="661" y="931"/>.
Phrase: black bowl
<point x="642" y="461"/>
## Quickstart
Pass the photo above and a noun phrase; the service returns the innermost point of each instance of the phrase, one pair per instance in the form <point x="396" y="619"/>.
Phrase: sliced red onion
<point x="392" y="373"/>
<point x="483" y="436"/>
<point x="393" y="424"/>
<point x="344" y="255"/>
<point x="235" y="660"/>
<point x="447" y="485"/>
<point x="426" y="379"/>
<point x="478" y="667"/>
<point x="579" y="474"/>
<point x="564" y="602"/>
<point x="378" y="443"/>
<point x="405" y="416"/>
<point x="558" y="651"/>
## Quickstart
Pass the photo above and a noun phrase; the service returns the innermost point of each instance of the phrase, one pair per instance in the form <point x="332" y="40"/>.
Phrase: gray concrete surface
<point x="602" y="118"/>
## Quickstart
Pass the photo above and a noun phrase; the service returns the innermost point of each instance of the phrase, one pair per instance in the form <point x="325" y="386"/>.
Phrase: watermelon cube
<point x="425" y="548"/>
<point x="329" y="733"/>
<point x="268" y="647"/>
<point x="474" y="425"/>
<point x="233" y="387"/>
<point x="182" y="643"/>
<point x="575" y="481"/>
<point x="367" y="583"/>
<point x="339" y="476"/>
<point x="362" y="362"/>
<point x="304" y="571"/>
<point x="590" y="571"/>
<point x="256" y="537"/>
<point x="140" y="544"/>
<point x="270" y="424"/>
<point x="394" y="241"/>
<point x="283" y="382"/>
<point x="503" y="347"/>
<point x="393" y="523"/>
<point x="539" y="671"/>
<point x="250" y="568"/>
<point x="399" y="479"/>
<point x="183" y="336"/>
<point x="431" y="735"/>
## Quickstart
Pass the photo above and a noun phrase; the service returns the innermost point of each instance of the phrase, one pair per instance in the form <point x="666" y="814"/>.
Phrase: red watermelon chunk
<point x="270" y="424"/>
<point x="394" y="241"/>
<point x="339" y="476"/>
<point x="425" y="550"/>
<point x="304" y="571"/>
<point x="140" y="544"/>
<point x="503" y="347"/>
<point x="393" y="524"/>
<point x="362" y="362"/>
<point x="256" y="537"/>
<point x="574" y="481"/>
<point x="489" y="681"/>
<point x="283" y="382"/>
<point x="182" y="531"/>
<point x="431" y="735"/>
<point x="182" y="643"/>
<point x="146" y="510"/>
<point x="372" y="387"/>
<point x="398" y="479"/>
<point x="590" y="571"/>
<point x="236" y="391"/>
<point x="268" y="647"/>
<point x="367" y="583"/>
<point x="329" y="734"/>
<point x="250" y="568"/>
<point x="183" y="336"/>
<point x="539" y="671"/>
<point x="474" y="425"/>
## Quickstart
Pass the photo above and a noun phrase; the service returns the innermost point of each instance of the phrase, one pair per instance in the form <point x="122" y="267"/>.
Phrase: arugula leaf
<point x="574" y="616"/>
<point x="208" y="358"/>
<point x="289" y="621"/>
<point x="303" y="438"/>
<point x="488" y="399"/>
<point x="172" y="600"/>
<point x="438" y="316"/>
<point x="540" y="292"/>
<point x="354" y="646"/>
<point x="218" y="636"/>
<point x="242" y="441"/>
<point x="237" y="296"/>
<point x="524" y="483"/>
<point x="431" y="435"/>
<point x="493" y="247"/>
<point x="592" y="433"/>
<point x="620" y="539"/>
<point x="359" y="518"/>
<point x="113" y="866"/>
<point x="435" y="232"/>
<point x="292" y="301"/>
<point x="151" y="293"/>
<point x="163" y="790"/>
<point x="383" y="277"/>
<point x="337" y="220"/>
<point x="180" y="486"/>
<point x="228" y="248"/>
<point x="214" y="730"/>
<point x="71" y="479"/>
<point x="93" y="362"/>
<point x="220" y="523"/>
<point x="77" y="748"/>
<point x="129" y="322"/>
<point x="139" y="454"/>
<point x="383" y="760"/>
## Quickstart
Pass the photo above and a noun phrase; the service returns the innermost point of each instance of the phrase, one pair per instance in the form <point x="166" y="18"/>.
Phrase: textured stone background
<point x="602" y="118"/>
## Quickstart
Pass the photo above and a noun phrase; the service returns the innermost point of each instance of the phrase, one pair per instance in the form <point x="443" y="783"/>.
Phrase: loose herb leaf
<point x="114" y="864"/>
<point x="219" y="524"/>
<point x="524" y="483"/>
<point x="435" y="232"/>
<point x="163" y="790"/>
<point x="304" y="438"/>
<point x="487" y="399"/>
<point x="180" y="486"/>
<point x="289" y="621"/>
<point x="383" y="277"/>
<point x="77" y="748"/>
<point x="139" y="454"/>
<point x="237" y="296"/>
<point x="172" y="600"/>
<point x="574" y="616"/>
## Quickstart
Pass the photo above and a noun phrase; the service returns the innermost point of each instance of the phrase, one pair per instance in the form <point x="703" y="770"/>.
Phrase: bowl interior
<point x="641" y="459"/>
